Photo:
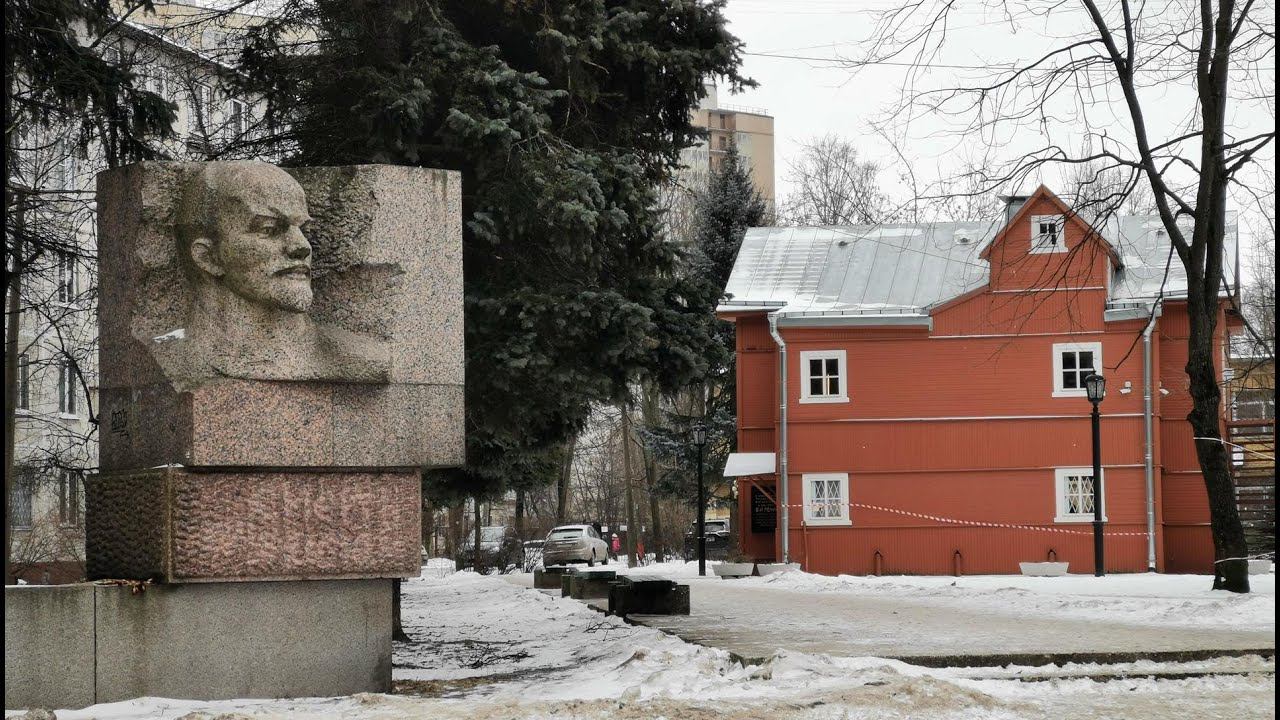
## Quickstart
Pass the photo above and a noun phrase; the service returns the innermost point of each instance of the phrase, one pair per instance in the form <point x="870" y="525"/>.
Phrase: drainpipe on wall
<point x="1149" y="437"/>
<point x="783" y="500"/>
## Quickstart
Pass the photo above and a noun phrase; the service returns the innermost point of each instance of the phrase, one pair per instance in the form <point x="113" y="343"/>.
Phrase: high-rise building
<point x="749" y="127"/>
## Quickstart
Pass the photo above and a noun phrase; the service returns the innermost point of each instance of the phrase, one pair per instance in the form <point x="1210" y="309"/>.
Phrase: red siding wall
<point x="960" y="423"/>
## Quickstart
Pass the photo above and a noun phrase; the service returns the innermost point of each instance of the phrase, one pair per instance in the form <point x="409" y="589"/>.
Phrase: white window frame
<point x="68" y="286"/>
<point x="1060" y="476"/>
<point x="24" y="383"/>
<point x="200" y="110"/>
<point x="843" y="368"/>
<point x="24" y="492"/>
<point x="70" y="499"/>
<point x="1058" y="349"/>
<point x="807" y="492"/>
<point x="68" y="402"/>
<point x="237" y="122"/>
<point x="1038" y="244"/>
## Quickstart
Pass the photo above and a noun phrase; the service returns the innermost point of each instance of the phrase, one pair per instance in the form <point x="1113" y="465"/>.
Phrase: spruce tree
<point x="562" y="117"/>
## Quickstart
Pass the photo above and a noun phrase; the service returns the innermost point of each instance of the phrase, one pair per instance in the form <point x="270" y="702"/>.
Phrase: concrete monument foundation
<point x="204" y="641"/>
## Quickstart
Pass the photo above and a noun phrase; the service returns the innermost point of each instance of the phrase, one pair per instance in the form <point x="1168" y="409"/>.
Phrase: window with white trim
<point x="68" y="277"/>
<point x="1074" y="489"/>
<point x="826" y="498"/>
<point x="824" y="376"/>
<point x="1072" y="363"/>
<point x="67" y="388"/>
<point x="24" y="382"/>
<point x="1047" y="234"/>
<point x="69" y="498"/>
<point x="237" y="119"/>
<point x="199" y="113"/>
<point x="24" y="487"/>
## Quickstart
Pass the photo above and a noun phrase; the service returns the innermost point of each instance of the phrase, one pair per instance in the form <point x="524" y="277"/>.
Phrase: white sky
<point x="809" y="98"/>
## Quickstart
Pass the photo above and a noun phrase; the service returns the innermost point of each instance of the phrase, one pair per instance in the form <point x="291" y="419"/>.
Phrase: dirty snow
<point x="485" y="648"/>
<point x="1144" y="599"/>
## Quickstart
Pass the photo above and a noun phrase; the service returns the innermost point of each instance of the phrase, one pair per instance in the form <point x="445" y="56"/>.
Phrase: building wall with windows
<point x="955" y="436"/>
<point x="182" y="58"/>
<point x="750" y="128"/>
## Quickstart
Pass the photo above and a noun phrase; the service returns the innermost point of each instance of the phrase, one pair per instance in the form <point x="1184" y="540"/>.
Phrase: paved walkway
<point x="753" y="622"/>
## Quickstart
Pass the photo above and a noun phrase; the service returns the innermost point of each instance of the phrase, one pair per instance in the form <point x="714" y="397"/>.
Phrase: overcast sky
<point x="812" y="97"/>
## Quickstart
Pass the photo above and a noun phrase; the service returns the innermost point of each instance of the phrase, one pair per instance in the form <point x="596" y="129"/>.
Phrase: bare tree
<point x="1111" y="68"/>
<point x="833" y="186"/>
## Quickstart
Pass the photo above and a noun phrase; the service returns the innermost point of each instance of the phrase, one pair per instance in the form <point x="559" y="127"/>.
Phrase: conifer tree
<point x="562" y="117"/>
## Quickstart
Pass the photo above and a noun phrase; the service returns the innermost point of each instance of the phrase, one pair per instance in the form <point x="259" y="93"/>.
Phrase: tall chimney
<point x="1012" y="204"/>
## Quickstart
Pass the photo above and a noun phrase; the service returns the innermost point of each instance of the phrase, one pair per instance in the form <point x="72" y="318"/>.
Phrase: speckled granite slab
<point x="369" y="373"/>
<point x="179" y="526"/>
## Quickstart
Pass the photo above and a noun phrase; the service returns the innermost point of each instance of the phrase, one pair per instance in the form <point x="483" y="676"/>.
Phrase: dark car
<point x="499" y="548"/>
<point x="717" y="539"/>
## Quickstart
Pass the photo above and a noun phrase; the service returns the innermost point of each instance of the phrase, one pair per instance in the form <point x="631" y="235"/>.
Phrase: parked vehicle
<point x="532" y="554"/>
<point x="574" y="544"/>
<point x="717" y="540"/>
<point x="499" y="548"/>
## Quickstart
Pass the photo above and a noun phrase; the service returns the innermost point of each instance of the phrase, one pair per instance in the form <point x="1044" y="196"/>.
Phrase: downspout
<point x="783" y="479"/>
<point x="1149" y="436"/>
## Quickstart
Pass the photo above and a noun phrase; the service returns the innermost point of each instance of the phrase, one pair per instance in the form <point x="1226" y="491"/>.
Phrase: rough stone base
<point x="180" y="526"/>
<point x="76" y="645"/>
<point x="548" y="578"/>
<point x="648" y="597"/>
<point x="591" y="584"/>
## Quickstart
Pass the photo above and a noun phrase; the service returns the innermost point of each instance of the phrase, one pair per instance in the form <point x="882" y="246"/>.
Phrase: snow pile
<point x="1146" y="599"/>
<point x="485" y="648"/>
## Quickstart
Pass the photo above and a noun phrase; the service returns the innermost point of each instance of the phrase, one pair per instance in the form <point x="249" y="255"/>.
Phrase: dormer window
<point x="1047" y="234"/>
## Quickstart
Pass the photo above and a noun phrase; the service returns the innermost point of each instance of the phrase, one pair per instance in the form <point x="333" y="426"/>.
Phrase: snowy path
<point x="968" y="617"/>
<point x="489" y="649"/>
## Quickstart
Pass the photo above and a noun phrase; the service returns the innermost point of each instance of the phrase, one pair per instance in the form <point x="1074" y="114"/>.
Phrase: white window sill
<point x="1070" y="393"/>
<point x="21" y="412"/>
<point x="815" y="400"/>
<point x="1076" y="519"/>
<point x="1047" y="250"/>
<point x="828" y="522"/>
<point x="68" y="416"/>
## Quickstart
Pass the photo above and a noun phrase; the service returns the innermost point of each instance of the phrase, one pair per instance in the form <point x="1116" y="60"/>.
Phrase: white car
<point x="574" y="544"/>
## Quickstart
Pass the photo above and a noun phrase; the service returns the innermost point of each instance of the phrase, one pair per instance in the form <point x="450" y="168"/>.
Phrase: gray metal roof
<point x="904" y="269"/>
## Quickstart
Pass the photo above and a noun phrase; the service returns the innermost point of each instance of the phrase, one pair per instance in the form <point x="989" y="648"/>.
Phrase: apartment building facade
<point x="180" y="53"/>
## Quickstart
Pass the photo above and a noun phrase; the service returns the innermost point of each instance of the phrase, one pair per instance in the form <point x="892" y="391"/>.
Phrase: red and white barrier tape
<point x="979" y="523"/>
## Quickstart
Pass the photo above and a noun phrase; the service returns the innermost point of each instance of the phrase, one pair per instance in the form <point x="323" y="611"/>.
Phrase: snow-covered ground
<point x="486" y="648"/>
<point x="1147" y="598"/>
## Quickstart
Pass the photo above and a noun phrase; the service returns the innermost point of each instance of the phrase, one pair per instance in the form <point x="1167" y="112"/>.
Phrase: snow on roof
<point x="905" y="269"/>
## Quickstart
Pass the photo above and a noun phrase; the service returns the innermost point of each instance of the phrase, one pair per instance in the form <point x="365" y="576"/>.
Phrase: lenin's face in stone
<point x="252" y="243"/>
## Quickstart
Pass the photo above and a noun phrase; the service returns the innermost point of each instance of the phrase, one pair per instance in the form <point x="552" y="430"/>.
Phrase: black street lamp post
<point x="700" y="439"/>
<point x="1095" y="387"/>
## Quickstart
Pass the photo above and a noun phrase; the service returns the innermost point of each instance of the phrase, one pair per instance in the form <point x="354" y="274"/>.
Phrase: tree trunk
<point x="650" y="408"/>
<point x="454" y="541"/>
<point x="520" y="515"/>
<point x="1230" y="550"/>
<point x="428" y="529"/>
<point x="562" y="482"/>
<point x="476" y="561"/>
<point x="633" y="532"/>
<point x="397" y="630"/>
<point x="14" y="311"/>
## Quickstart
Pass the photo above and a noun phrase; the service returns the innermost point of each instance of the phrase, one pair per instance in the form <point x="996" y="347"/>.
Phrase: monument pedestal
<point x="69" y="646"/>
<point x="191" y="525"/>
<point x="281" y="355"/>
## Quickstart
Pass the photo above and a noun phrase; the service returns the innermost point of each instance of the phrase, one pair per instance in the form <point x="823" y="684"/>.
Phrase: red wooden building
<point x="935" y="420"/>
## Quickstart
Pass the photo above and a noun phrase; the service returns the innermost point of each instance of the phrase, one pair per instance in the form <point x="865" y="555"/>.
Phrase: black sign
<point x="764" y="514"/>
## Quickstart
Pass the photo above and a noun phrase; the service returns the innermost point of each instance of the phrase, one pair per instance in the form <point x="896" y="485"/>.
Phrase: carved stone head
<point x="239" y="226"/>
